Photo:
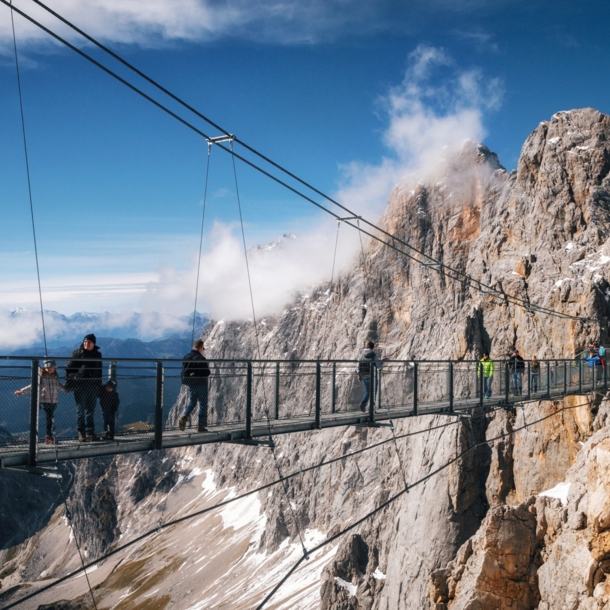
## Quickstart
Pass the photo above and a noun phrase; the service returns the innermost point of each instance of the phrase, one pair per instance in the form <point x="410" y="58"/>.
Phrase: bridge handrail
<point x="274" y="361"/>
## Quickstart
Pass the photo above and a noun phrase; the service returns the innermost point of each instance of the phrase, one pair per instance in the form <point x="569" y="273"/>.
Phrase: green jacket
<point x="487" y="366"/>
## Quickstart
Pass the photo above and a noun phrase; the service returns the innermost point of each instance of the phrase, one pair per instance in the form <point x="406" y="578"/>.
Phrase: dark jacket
<point x="195" y="368"/>
<point x="84" y="367"/>
<point x="109" y="401"/>
<point x="366" y="361"/>
<point x="516" y="364"/>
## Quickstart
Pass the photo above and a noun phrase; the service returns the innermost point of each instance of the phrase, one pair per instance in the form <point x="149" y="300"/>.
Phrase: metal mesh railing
<point x="249" y="396"/>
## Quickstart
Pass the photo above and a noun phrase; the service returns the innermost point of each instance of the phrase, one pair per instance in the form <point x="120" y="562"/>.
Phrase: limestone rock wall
<point x="471" y="536"/>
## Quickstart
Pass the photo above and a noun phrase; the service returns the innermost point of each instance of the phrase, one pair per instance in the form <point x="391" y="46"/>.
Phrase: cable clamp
<point x="218" y="139"/>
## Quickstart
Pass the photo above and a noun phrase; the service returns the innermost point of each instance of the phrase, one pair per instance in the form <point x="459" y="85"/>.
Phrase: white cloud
<point x="159" y="22"/>
<point x="428" y="121"/>
<point x="430" y="115"/>
<point x="277" y="274"/>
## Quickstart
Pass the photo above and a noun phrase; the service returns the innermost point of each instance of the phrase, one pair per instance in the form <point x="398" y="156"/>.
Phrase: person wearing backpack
<point x="601" y="350"/>
<point x="366" y="361"/>
<point x="195" y="373"/>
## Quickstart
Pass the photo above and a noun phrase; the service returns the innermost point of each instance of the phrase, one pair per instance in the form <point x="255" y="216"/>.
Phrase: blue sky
<point x="329" y="89"/>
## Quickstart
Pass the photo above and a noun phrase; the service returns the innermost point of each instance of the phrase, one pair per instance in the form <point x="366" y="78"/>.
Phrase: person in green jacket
<point x="486" y="367"/>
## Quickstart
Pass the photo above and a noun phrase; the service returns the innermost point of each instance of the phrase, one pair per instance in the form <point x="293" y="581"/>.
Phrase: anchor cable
<point x="439" y="266"/>
<point x="222" y="504"/>
<point x="258" y="348"/>
<point x="27" y="169"/>
<point x="205" y="196"/>
<point x="404" y="491"/>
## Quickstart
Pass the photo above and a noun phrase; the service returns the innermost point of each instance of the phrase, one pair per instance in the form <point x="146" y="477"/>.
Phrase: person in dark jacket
<point x="195" y="373"/>
<point x="109" y="401"/>
<point x="84" y="377"/>
<point x="516" y="366"/>
<point x="366" y="361"/>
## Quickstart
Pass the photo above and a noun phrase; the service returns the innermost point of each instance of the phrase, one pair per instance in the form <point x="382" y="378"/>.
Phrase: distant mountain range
<point x="132" y="334"/>
<point x="111" y="347"/>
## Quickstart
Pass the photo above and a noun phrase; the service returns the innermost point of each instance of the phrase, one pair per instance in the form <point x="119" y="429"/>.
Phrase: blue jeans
<point x="198" y="392"/>
<point x="49" y="409"/>
<point x="534" y="382"/>
<point x="366" y="382"/>
<point x="85" y="395"/>
<point x="517" y="382"/>
<point x="488" y="381"/>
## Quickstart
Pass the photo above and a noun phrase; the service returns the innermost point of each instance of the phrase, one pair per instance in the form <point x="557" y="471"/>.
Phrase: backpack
<point x="365" y="365"/>
<point x="186" y="375"/>
<point x="194" y="369"/>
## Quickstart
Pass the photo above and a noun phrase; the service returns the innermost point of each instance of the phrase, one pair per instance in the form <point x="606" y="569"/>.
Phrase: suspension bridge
<point x="251" y="401"/>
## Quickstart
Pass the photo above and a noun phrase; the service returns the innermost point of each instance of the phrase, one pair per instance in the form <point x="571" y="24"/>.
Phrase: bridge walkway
<point x="249" y="400"/>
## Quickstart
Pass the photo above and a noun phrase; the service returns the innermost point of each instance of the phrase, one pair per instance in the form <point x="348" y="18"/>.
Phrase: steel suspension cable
<point x="404" y="491"/>
<point x="205" y="196"/>
<point x="222" y="504"/>
<point x="332" y="275"/>
<point x="258" y="348"/>
<point x="27" y="170"/>
<point x="380" y="379"/>
<point x="68" y="512"/>
<point x="439" y="266"/>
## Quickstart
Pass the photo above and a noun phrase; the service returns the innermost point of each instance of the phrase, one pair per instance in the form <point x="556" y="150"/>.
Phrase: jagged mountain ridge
<point x="540" y="232"/>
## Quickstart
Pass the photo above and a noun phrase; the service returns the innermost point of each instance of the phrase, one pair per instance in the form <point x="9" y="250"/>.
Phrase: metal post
<point x="277" y="390"/>
<point x="372" y="395"/>
<point x="318" y="376"/>
<point x="333" y="389"/>
<point x="580" y="376"/>
<point x="112" y="371"/>
<point x="605" y="373"/>
<point x="507" y="381"/>
<point x="32" y="459"/>
<point x="249" y="401"/>
<point x="451" y="387"/>
<point x="414" y="388"/>
<point x="159" y="406"/>
<point x="481" y="370"/>
<point x="529" y="380"/>
<point x="548" y="379"/>
<point x="565" y="377"/>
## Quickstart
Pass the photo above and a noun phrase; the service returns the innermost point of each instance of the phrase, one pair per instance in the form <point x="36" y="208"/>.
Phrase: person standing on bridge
<point x="516" y="365"/>
<point x="486" y="370"/>
<point x="84" y="376"/>
<point x="109" y="401"/>
<point x="195" y="373"/>
<point x="48" y="390"/>
<point x="601" y="352"/>
<point x="368" y="360"/>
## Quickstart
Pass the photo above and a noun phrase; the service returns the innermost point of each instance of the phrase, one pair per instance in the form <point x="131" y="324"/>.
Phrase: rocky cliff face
<point x="477" y="535"/>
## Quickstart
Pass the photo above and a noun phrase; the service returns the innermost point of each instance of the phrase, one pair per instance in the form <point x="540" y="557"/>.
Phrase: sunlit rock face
<point x="476" y="535"/>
